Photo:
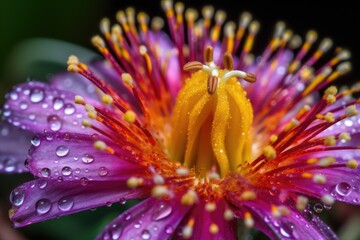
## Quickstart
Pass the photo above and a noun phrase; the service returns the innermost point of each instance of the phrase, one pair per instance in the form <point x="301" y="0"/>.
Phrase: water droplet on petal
<point x="103" y="171"/>
<point x="318" y="207"/>
<point x="145" y="234"/>
<point x="66" y="171"/>
<point x="122" y="201"/>
<point x="58" y="103"/>
<point x="55" y="122"/>
<point x="23" y="105"/>
<point x="37" y="95"/>
<point x="343" y="189"/>
<point x="14" y="96"/>
<point x="17" y="196"/>
<point x="127" y="216"/>
<point x="69" y="109"/>
<point x="84" y="181"/>
<point x="138" y="224"/>
<point x="65" y="203"/>
<point x="87" y="158"/>
<point x="42" y="183"/>
<point x="62" y="151"/>
<point x="43" y="206"/>
<point x="35" y="142"/>
<point x="45" y="172"/>
<point x="32" y="116"/>
<point x="116" y="232"/>
<point x="169" y="230"/>
<point x="162" y="211"/>
<point x="286" y="229"/>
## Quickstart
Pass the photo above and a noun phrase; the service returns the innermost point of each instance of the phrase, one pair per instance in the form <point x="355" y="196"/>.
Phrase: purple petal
<point x="37" y="107"/>
<point x="298" y="225"/>
<point x="14" y="146"/>
<point x="72" y="156"/>
<point x="203" y="220"/>
<point x="43" y="199"/>
<point x="150" y="219"/>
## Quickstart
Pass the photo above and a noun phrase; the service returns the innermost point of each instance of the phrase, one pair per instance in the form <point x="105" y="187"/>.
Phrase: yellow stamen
<point x="269" y="152"/>
<point x="352" y="164"/>
<point x="214" y="228"/>
<point x="129" y="116"/>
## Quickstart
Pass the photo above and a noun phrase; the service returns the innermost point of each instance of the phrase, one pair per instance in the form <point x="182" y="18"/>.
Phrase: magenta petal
<point x="14" y="146"/>
<point x="150" y="219"/>
<point x="43" y="199"/>
<point x="203" y="220"/>
<point x="298" y="225"/>
<point x="71" y="156"/>
<point x="37" y="107"/>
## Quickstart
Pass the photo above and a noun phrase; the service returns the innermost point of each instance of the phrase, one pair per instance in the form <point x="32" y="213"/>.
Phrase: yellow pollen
<point x="134" y="182"/>
<point x="79" y="100"/>
<point x="228" y="215"/>
<point x="210" y="207"/>
<point x="292" y="124"/>
<point x="330" y="141"/>
<point x="330" y="99"/>
<point x="352" y="164"/>
<point x="248" y="220"/>
<point x="331" y="91"/>
<point x="329" y="117"/>
<point x="248" y="196"/>
<point x="319" y="178"/>
<point x="345" y="137"/>
<point x="129" y="116"/>
<point x="273" y="138"/>
<point x="73" y="68"/>
<point x="107" y="99"/>
<point x="301" y="203"/>
<point x="312" y="161"/>
<point x="189" y="198"/>
<point x="269" y="152"/>
<point x="306" y="175"/>
<point x="100" y="145"/>
<point x="86" y="123"/>
<point x="159" y="191"/>
<point x="92" y="114"/>
<point x="214" y="228"/>
<point x="127" y="79"/>
<point x="89" y="108"/>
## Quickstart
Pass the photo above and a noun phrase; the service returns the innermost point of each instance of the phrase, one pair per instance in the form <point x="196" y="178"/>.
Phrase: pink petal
<point x="43" y="199"/>
<point x="14" y="146"/>
<point x="71" y="156"/>
<point x="150" y="219"/>
<point x="37" y="107"/>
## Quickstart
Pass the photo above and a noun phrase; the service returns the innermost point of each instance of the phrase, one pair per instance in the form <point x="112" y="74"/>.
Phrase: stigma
<point x="212" y="117"/>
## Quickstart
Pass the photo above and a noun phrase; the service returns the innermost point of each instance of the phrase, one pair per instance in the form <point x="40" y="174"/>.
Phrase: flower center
<point x="212" y="118"/>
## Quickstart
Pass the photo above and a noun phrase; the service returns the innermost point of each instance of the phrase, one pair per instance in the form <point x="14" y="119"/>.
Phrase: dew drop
<point x="287" y="229"/>
<point x="45" y="172"/>
<point x="62" y="151"/>
<point x="87" y="158"/>
<point x="122" y="201"/>
<point x="66" y="171"/>
<point x="145" y="234"/>
<point x="17" y="196"/>
<point x="32" y="116"/>
<point x="327" y="207"/>
<point x="103" y="171"/>
<point x="35" y="142"/>
<point x="69" y="109"/>
<point x="65" y="203"/>
<point x="169" y="230"/>
<point x="84" y="181"/>
<point x="54" y="122"/>
<point x="58" y="103"/>
<point x="37" y="95"/>
<point x="343" y="189"/>
<point x="42" y="183"/>
<point x="43" y="206"/>
<point x="9" y="165"/>
<point x="138" y="224"/>
<point x="24" y="105"/>
<point x="162" y="211"/>
<point x="14" y="96"/>
<point x="116" y="232"/>
<point x="127" y="216"/>
<point x="308" y="214"/>
<point x="318" y="207"/>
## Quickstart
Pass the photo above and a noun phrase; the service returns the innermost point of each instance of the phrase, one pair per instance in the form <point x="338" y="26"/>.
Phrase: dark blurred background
<point x="77" y="21"/>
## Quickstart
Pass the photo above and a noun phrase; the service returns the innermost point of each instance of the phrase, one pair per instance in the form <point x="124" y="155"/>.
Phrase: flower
<point x="180" y="123"/>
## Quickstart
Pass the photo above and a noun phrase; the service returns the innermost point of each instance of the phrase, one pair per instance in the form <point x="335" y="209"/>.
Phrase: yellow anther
<point x="328" y="199"/>
<point x="182" y="171"/>
<point x="79" y="100"/>
<point x="159" y="191"/>
<point x="330" y="141"/>
<point x="127" y="79"/>
<point x="73" y="68"/>
<point x="158" y="179"/>
<point x="214" y="229"/>
<point x="319" y="178"/>
<point x="248" y="195"/>
<point x="134" y="182"/>
<point x="210" y="207"/>
<point x="330" y="99"/>
<point x="269" y="152"/>
<point x="89" y="107"/>
<point x="301" y="203"/>
<point x="107" y="99"/>
<point x="92" y="114"/>
<point x="73" y="60"/>
<point x="352" y="164"/>
<point x="329" y="117"/>
<point x="157" y="23"/>
<point x="284" y="211"/>
<point x="345" y="137"/>
<point x="228" y="215"/>
<point x="331" y="91"/>
<point x="273" y="138"/>
<point x="312" y="161"/>
<point x="189" y="198"/>
<point x="326" y="161"/>
<point x="292" y="124"/>
<point x="86" y="123"/>
<point x="100" y="145"/>
<point x="306" y="175"/>
<point x="98" y="42"/>
<point x="129" y="116"/>
<point x="105" y="26"/>
<point x="351" y="111"/>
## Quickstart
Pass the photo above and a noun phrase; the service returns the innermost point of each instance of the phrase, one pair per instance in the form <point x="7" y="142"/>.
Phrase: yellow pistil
<point x="212" y="118"/>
